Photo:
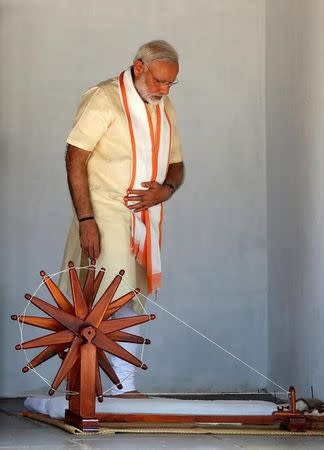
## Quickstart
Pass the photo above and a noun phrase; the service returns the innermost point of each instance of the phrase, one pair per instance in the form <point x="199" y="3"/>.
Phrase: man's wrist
<point x="171" y="187"/>
<point x="84" y="219"/>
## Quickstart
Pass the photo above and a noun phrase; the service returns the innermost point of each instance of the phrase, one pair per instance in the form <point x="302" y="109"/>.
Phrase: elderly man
<point x="123" y="161"/>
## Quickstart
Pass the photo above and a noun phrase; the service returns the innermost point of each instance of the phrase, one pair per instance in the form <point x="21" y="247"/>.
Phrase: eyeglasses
<point x="161" y="82"/>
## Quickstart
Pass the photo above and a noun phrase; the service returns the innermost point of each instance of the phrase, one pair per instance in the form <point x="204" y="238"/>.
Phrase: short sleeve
<point x="175" y="151"/>
<point x="92" y="120"/>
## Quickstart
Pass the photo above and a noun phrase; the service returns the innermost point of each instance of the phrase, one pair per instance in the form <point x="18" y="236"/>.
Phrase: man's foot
<point x="130" y="394"/>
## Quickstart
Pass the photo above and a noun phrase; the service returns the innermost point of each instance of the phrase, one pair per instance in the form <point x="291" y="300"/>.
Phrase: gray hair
<point x="156" y="50"/>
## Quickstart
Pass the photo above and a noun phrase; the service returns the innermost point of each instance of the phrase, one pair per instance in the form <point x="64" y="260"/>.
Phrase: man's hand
<point x="90" y="238"/>
<point x="154" y="194"/>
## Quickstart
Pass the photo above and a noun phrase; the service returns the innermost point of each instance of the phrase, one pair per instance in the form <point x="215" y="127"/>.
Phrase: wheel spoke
<point x="41" y="322"/>
<point x="61" y="337"/>
<point x="97" y="283"/>
<point x="67" y="320"/>
<point x="99" y="391"/>
<point x="107" y="368"/>
<point x="60" y="299"/>
<point x="122" y="336"/>
<point x="89" y="285"/>
<point x="119" y="303"/>
<point x="108" y="326"/>
<point x="110" y="346"/>
<point x="73" y="381"/>
<point x="68" y="362"/>
<point x="45" y="355"/>
<point x="80" y="306"/>
<point x="96" y="315"/>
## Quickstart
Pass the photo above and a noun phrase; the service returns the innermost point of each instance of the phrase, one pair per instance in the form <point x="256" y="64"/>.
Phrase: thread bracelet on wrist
<point x="83" y="219"/>
<point x="170" y="186"/>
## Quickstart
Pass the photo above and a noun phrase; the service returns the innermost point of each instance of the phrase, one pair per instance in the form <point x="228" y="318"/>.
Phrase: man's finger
<point x="96" y="250"/>
<point x="137" y="205"/>
<point x="150" y="184"/>
<point x="136" y="192"/>
<point x="133" y="198"/>
<point x="90" y="252"/>
<point x="85" y="249"/>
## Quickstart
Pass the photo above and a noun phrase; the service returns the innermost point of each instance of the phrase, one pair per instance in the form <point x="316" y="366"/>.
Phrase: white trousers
<point x="124" y="370"/>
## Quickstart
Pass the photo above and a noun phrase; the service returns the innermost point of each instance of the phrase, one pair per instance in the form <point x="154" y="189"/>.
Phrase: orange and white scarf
<point x="150" y="161"/>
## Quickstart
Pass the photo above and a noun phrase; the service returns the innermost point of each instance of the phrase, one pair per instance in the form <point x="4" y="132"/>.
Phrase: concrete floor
<point x="16" y="432"/>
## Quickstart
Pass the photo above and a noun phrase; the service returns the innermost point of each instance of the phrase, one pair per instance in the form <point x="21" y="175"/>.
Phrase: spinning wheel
<point x="83" y="332"/>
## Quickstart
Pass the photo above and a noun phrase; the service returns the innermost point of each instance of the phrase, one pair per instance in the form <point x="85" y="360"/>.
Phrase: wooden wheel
<point x="82" y="333"/>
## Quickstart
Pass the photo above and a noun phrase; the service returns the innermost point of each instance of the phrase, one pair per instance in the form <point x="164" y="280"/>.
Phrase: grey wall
<point x="295" y="162"/>
<point x="215" y="260"/>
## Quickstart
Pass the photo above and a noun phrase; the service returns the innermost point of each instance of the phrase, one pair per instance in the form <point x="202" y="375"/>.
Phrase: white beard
<point x="141" y="88"/>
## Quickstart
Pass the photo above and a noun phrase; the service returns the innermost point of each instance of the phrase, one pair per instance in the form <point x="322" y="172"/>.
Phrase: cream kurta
<point x="101" y="128"/>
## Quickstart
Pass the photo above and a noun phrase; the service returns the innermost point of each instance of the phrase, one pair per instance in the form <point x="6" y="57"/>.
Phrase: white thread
<point x="285" y="391"/>
<point x="143" y="345"/>
<point x="21" y="328"/>
<point x="214" y="343"/>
